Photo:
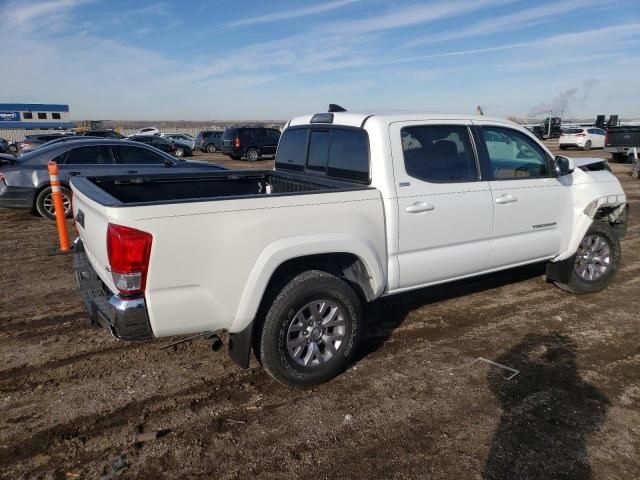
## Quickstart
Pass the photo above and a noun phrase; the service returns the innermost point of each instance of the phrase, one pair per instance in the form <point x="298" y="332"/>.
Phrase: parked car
<point x="209" y="141"/>
<point x="31" y="142"/>
<point x="620" y="142"/>
<point x="181" y="139"/>
<point x="4" y="145"/>
<point x="359" y="206"/>
<point x="585" y="138"/>
<point x="104" y="133"/>
<point x="24" y="180"/>
<point x="160" y="143"/>
<point x="147" y="131"/>
<point x="250" y="142"/>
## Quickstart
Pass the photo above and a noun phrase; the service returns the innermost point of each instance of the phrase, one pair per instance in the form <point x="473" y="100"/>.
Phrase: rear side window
<point x="128" y="155"/>
<point x="292" y="150"/>
<point x="93" y="155"/>
<point x="230" y="133"/>
<point x="573" y="131"/>
<point x="439" y="153"/>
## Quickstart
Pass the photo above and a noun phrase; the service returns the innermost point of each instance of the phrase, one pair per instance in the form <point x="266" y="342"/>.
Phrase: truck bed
<point x="625" y="136"/>
<point x="114" y="191"/>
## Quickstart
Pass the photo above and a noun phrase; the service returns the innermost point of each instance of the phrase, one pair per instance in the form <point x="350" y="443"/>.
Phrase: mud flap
<point x="560" y="271"/>
<point x="240" y="346"/>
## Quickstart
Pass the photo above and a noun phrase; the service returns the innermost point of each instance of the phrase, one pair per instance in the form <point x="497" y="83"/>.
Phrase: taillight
<point x="128" y="250"/>
<point x="236" y="143"/>
<point x="2" y="178"/>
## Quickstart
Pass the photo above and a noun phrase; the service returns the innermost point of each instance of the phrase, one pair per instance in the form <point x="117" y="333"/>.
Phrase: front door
<point x="532" y="207"/>
<point x="445" y="210"/>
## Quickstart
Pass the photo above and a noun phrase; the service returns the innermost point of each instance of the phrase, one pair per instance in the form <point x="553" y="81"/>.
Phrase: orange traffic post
<point x="58" y="205"/>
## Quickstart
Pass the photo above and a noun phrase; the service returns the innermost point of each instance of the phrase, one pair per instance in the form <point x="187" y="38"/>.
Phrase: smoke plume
<point x="564" y="101"/>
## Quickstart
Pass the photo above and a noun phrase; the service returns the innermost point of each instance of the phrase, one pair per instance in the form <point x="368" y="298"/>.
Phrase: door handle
<point x="73" y="174"/>
<point x="419" y="207"/>
<point x="506" y="198"/>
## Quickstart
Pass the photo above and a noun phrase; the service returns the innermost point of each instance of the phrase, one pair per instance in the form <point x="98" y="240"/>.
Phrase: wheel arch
<point x="353" y="260"/>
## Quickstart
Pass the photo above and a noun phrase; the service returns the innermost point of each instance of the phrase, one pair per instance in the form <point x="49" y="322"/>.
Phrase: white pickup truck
<point x="358" y="206"/>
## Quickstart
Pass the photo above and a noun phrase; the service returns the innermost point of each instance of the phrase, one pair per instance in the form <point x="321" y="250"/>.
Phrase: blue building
<point x="34" y="116"/>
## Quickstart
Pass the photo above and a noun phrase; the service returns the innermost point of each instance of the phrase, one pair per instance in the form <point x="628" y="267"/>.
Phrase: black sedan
<point x="24" y="180"/>
<point x="162" y="143"/>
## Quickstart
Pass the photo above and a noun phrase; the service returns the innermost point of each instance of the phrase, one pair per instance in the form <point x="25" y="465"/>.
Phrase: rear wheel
<point x="587" y="145"/>
<point x="211" y="148"/>
<point x="44" y="203"/>
<point x="178" y="152"/>
<point x="252" y="155"/>
<point x="596" y="261"/>
<point x="311" y="330"/>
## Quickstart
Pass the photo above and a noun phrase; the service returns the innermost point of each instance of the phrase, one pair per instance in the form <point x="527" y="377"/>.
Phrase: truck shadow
<point x="548" y="413"/>
<point x="385" y="315"/>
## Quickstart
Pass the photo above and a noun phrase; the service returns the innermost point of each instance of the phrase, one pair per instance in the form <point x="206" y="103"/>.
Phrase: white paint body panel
<point x="211" y="260"/>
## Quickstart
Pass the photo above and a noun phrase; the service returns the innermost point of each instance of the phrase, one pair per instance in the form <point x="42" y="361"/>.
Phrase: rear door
<point x="532" y="207"/>
<point x="445" y="208"/>
<point x="85" y="161"/>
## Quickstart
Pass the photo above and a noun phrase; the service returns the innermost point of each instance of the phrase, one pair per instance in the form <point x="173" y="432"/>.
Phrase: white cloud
<point x="519" y="19"/>
<point x="412" y="15"/>
<point x="291" y="13"/>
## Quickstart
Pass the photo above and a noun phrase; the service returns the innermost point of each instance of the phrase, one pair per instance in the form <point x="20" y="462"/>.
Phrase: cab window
<point x="513" y="155"/>
<point x="439" y="153"/>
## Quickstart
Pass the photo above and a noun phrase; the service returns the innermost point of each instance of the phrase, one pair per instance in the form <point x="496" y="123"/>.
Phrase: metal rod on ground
<point x="58" y="204"/>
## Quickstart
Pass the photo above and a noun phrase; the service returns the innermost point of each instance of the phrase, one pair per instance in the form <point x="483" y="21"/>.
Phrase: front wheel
<point x="44" y="203"/>
<point x="211" y="148"/>
<point x="311" y="330"/>
<point x="178" y="152"/>
<point x="596" y="261"/>
<point x="587" y="145"/>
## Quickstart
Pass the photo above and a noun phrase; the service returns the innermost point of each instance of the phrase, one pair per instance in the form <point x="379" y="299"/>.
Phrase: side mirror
<point x="564" y="165"/>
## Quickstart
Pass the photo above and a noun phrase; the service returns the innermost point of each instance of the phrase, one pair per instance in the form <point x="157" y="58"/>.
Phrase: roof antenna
<point x="336" y="108"/>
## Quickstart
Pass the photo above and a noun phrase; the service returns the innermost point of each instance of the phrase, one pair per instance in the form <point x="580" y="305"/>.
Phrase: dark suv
<point x="250" y="142"/>
<point x="209" y="141"/>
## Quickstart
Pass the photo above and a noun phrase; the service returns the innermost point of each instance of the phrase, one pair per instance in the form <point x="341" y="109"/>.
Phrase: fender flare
<point x="280" y="251"/>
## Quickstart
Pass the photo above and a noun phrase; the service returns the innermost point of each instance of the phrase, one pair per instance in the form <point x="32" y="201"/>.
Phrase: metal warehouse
<point x="19" y="119"/>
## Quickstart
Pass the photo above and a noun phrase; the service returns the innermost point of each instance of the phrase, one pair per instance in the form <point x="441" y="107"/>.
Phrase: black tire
<point x="579" y="285"/>
<point x="587" y="145"/>
<point x="252" y="155"/>
<point x="211" y="148"/>
<point x="617" y="157"/>
<point x="13" y="148"/>
<point x="44" y="201"/>
<point x="273" y="335"/>
<point x="179" y="152"/>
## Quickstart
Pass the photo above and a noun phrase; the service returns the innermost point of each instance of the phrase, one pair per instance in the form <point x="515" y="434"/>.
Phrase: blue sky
<point x="257" y="59"/>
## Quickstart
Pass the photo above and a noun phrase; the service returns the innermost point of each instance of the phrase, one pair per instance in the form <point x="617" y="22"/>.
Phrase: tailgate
<point x="92" y="220"/>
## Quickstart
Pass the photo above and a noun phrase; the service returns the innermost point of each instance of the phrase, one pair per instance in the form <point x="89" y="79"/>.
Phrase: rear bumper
<point x="15" y="197"/>
<point x="232" y="151"/>
<point x="125" y="318"/>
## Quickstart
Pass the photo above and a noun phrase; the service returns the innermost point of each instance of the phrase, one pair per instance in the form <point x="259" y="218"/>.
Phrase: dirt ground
<point x="76" y="403"/>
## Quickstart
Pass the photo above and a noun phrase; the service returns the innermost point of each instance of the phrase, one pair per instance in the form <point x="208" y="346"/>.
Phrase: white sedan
<point x="584" y="138"/>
